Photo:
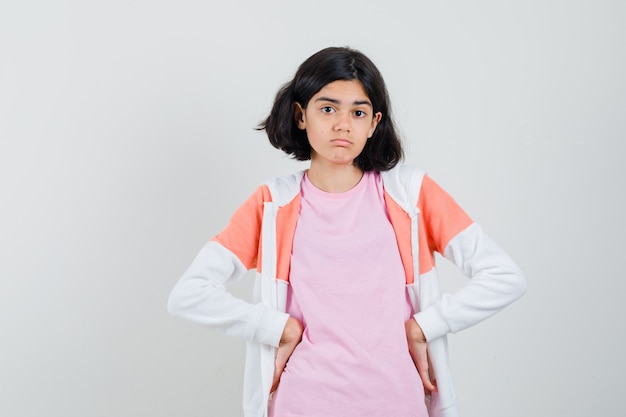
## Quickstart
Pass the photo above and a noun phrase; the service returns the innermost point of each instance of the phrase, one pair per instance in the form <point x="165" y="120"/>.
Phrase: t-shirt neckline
<point x="308" y="186"/>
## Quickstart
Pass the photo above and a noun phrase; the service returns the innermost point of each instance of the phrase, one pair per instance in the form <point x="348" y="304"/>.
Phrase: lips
<point x="341" y="142"/>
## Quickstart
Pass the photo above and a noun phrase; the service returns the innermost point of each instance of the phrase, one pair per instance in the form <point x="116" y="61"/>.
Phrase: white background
<point x="126" y="141"/>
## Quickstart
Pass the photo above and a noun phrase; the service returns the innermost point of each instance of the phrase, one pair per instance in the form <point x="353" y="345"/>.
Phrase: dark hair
<point x="382" y="151"/>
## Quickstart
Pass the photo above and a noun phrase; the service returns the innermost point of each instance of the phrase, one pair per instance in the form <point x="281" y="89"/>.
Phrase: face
<point x="339" y="119"/>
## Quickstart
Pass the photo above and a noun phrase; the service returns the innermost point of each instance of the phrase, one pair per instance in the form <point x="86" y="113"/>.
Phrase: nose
<point x="342" y="122"/>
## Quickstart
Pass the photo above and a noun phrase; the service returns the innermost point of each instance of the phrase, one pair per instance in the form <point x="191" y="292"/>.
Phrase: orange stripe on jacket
<point x="441" y="218"/>
<point x="286" y="221"/>
<point x="242" y="235"/>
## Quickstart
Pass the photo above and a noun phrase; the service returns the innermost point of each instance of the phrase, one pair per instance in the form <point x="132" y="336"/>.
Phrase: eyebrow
<point x="335" y="101"/>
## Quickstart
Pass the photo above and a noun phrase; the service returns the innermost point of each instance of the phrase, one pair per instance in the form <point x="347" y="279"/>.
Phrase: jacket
<point x="259" y="236"/>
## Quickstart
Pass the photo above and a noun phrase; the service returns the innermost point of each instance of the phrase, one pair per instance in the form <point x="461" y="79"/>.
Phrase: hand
<point x="292" y="335"/>
<point x="418" y="348"/>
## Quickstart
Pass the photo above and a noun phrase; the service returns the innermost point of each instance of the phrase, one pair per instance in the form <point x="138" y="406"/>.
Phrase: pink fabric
<point x="347" y="285"/>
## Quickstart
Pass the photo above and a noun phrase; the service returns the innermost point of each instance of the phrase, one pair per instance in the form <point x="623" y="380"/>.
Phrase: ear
<point x="299" y="116"/>
<point x="375" y="120"/>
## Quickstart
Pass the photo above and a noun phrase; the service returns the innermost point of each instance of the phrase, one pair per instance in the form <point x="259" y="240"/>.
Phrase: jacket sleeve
<point x="495" y="279"/>
<point x="201" y="296"/>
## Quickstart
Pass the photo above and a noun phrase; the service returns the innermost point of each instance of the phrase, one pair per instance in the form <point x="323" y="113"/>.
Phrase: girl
<point x="347" y="319"/>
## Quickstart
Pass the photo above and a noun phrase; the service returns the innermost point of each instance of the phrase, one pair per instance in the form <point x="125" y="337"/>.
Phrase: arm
<point x="495" y="280"/>
<point x="201" y="296"/>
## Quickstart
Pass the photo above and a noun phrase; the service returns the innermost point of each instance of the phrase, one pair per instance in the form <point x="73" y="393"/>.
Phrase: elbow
<point x="174" y="305"/>
<point x="172" y="308"/>
<point x="520" y="285"/>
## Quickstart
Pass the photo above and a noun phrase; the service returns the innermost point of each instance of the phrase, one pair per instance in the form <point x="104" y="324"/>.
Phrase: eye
<point x="327" y="109"/>
<point x="359" y="113"/>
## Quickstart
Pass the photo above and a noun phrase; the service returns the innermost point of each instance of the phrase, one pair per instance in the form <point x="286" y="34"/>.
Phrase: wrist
<point x="292" y="330"/>
<point x="414" y="331"/>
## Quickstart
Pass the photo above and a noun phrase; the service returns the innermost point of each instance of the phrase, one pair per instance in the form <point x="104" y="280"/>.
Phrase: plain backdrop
<point x="127" y="140"/>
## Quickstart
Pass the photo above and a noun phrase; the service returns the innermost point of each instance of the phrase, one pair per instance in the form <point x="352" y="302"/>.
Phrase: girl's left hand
<point x="292" y="335"/>
<point x="418" y="348"/>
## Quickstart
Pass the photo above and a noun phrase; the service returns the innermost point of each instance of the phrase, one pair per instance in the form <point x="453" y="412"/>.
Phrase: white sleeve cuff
<point x="432" y="323"/>
<point x="270" y="327"/>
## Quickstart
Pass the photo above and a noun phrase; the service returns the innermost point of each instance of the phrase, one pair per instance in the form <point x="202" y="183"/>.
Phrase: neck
<point x="334" y="178"/>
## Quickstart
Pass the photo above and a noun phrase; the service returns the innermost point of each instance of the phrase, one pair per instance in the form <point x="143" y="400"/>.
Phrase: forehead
<point x="343" y="91"/>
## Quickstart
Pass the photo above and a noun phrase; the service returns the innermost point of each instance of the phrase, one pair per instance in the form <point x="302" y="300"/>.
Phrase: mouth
<point x="341" y="142"/>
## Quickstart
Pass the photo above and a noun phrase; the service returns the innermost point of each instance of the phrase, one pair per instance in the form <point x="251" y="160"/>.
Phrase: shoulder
<point x="402" y="173"/>
<point x="281" y="190"/>
<point x="403" y="184"/>
<point x="278" y="190"/>
<point x="411" y="186"/>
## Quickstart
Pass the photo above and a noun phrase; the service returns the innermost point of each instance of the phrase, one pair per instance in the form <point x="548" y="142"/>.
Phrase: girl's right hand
<point x="292" y="335"/>
<point x="418" y="348"/>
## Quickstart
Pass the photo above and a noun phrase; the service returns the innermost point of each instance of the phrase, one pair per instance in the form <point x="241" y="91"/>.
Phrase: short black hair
<point x="381" y="152"/>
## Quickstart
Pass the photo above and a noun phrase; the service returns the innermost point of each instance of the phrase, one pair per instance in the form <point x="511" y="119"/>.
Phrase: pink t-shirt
<point x="347" y="286"/>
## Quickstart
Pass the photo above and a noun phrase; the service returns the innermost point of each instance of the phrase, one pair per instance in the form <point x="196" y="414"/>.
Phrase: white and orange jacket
<point x="260" y="234"/>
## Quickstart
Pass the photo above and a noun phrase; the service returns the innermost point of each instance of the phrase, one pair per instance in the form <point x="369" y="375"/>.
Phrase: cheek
<point x="318" y="130"/>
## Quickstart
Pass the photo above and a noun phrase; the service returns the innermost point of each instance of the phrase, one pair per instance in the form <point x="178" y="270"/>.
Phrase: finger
<point x="431" y="373"/>
<point x="422" y="362"/>
<point x="426" y="381"/>
<point x="279" y="367"/>
<point x="283" y="353"/>
<point x="277" y="373"/>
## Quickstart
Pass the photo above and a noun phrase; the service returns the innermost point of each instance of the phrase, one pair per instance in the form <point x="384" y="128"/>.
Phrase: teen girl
<point x="347" y="318"/>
